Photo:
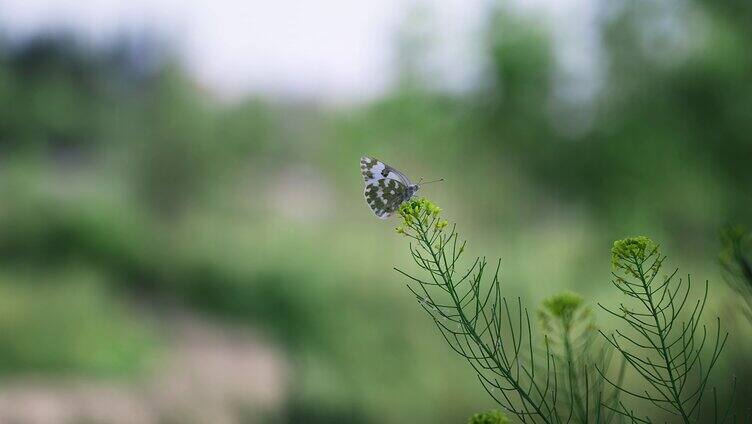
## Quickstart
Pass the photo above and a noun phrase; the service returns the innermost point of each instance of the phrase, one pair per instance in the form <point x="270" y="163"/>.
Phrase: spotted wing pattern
<point x="373" y="169"/>
<point x="386" y="188"/>
<point x="385" y="196"/>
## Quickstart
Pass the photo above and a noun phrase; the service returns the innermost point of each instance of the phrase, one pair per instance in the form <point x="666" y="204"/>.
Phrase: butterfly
<point x="386" y="188"/>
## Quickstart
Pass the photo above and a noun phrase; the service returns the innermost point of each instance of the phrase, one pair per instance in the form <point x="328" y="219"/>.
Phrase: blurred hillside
<point x="134" y="205"/>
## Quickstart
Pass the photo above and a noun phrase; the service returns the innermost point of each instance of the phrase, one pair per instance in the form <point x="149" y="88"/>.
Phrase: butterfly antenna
<point x="429" y="182"/>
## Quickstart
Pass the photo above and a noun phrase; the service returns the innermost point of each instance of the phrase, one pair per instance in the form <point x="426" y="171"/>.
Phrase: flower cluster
<point x="420" y="215"/>
<point x="632" y="252"/>
<point x="563" y="305"/>
<point x="565" y="308"/>
<point x="491" y="417"/>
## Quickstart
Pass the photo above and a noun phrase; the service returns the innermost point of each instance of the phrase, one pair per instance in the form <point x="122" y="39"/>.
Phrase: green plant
<point x="567" y="379"/>
<point x="490" y="417"/>
<point x="569" y="325"/>
<point x="736" y="260"/>
<point x="665" y="346"/>
<point x="497" y="338"/>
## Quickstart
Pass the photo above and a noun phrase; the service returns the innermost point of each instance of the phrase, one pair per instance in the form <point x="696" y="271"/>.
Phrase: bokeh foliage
<point x="123" y="182"/>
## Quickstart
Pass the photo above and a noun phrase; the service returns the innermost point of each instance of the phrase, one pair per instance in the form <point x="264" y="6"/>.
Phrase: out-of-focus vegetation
<point x="490" y="417"/>
<point x="736" y="259"/>
<point x="127" y="190"/>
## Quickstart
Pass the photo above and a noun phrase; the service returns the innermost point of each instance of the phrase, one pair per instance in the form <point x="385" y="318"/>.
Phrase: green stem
<point x="475" y="337"/>
<point x="574" y="379"/>
<point x="662" y="337"/>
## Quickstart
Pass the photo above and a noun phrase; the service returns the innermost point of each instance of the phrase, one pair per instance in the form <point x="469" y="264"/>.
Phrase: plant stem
<point x="662" y="337"/>
<point x="574" y="379"/>
<point x="525" y="397"/>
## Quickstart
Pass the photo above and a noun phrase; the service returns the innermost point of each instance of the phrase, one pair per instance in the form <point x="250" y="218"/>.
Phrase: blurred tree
<point x="173" y="157"/>
<point x="59" y="93"/>
<point x="674" y="111"/>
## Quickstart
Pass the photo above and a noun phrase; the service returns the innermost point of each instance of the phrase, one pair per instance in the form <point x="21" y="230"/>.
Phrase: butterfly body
<point x="386" y="188"/>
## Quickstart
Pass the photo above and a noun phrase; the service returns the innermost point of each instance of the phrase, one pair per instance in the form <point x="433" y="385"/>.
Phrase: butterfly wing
<point x="373" y="170"/>
<point x="384" y="196"/>
<point x="386" y="188"/>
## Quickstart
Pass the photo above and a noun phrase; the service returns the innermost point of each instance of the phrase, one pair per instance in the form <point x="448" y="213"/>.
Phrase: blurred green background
<point x="168" y="256"/>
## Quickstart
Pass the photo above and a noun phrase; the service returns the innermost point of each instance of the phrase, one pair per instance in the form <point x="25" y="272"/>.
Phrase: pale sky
<point x="330" y="50"/>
